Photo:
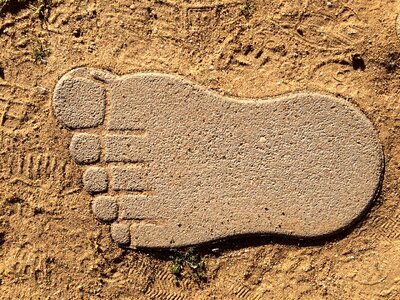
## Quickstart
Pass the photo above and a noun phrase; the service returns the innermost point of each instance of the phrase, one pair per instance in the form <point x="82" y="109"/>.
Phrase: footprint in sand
<point x="170" y="164"/>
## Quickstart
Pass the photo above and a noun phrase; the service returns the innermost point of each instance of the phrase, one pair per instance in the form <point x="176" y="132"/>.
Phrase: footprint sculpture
<point x="170" y="164"/>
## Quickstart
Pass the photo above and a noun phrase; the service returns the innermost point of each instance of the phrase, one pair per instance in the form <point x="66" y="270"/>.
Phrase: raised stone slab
<point x="173" y="164"/>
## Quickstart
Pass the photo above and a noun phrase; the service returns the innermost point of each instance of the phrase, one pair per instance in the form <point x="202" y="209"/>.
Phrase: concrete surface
<point x="85" y="148"/>
<point x="79" y="103"/>
<point x="95" y="180"/>
<point x="105" y="208"/>
<point x="188" y="166"/>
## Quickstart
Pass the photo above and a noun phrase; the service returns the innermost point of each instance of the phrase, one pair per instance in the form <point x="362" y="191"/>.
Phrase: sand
<point x="52" y="246"/>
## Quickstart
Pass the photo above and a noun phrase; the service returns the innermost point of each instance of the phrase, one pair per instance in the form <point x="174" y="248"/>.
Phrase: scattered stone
<point x="95" y="180"/>
<point x="41" y="90"/>
<point x="85" y="148"/>
<point x="189" y="166"/>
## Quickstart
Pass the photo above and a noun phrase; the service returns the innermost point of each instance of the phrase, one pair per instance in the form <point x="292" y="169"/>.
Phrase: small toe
<point x="95" y="180"/>
<point x="85" y="148"/>
<point x="105" y="208"/>
<point x="120" y="233"/>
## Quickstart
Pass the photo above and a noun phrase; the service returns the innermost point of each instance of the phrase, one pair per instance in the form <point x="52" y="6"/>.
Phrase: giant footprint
<point x="174" y="165"/>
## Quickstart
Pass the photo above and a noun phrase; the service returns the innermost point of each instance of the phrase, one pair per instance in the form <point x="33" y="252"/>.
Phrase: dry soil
<point x="51" y="246"/>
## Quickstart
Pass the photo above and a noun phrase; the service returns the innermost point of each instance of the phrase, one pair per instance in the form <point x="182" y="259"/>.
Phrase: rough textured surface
<point x="79" y="103"/>
<point x="211" y="167"/>
<point x="105" y="208"/>
<point x="120" y="233"/>
<point x="85" y="148"/>
<point x="95" y="180"/>
<point x="125" y="148"/>
<point x="129" y="178"/>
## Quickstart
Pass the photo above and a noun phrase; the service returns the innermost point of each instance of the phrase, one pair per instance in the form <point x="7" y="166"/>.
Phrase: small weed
<point x="42" y="9"/>
<point x="392" y="62"/>
<point x="95" y="246"/>
<point x="190" y="261"/>
<point x="40" y="53"/>
<point x="247" y="9"/>
<point x="177" y="267"/>
<point x="15" y="200"/>
<point x="3" y="3"/>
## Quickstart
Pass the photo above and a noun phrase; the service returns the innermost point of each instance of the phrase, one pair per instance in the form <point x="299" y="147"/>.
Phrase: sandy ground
<point x="51" y="247"/>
